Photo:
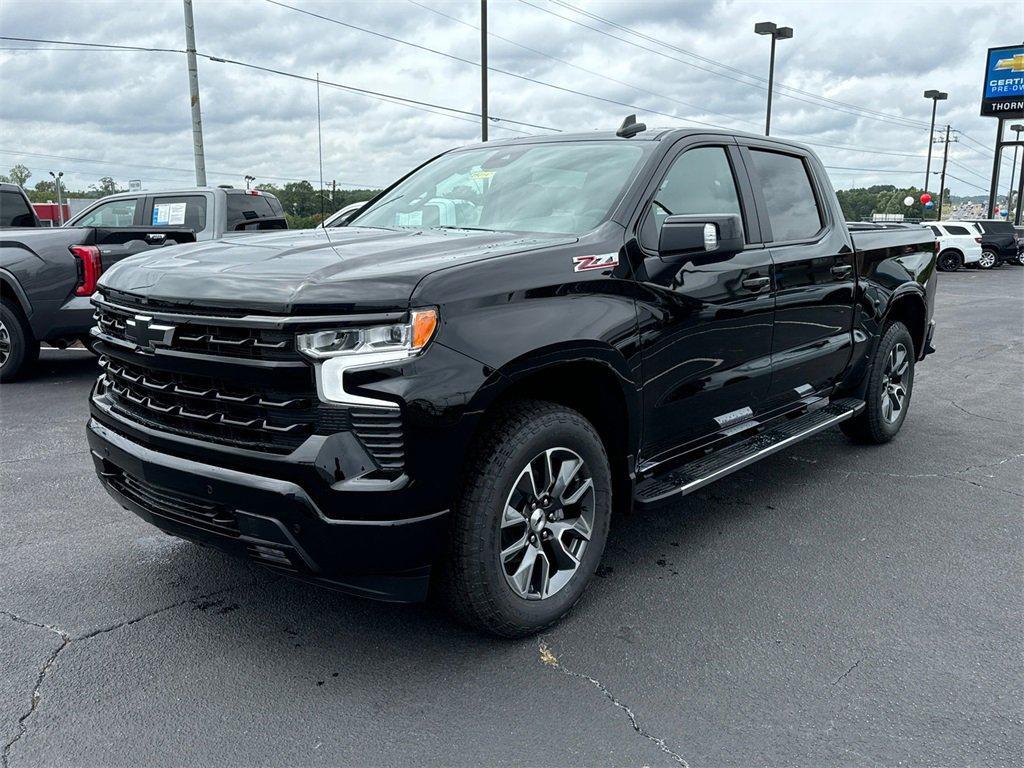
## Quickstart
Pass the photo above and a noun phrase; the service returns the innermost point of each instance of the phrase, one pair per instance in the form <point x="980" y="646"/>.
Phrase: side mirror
<point x="710" y="234"/>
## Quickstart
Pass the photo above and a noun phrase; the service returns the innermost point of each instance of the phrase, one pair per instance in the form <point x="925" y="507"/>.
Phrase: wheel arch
<point x="10" y="288"/>
<point x="590" y="381"/>
<point x="909" y="308"/>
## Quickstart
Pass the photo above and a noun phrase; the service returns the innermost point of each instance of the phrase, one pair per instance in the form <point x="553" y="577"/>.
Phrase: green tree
<point x="19" y="175"/>
<point x="106" y="186"/>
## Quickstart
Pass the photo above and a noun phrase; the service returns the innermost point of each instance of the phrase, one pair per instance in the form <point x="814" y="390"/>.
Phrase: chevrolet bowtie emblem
<point x="146" y="334"/>
<point x="1012" y="64"/>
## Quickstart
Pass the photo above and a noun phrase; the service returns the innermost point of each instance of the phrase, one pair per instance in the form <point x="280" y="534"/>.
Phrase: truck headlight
<point x="339" y="350"/>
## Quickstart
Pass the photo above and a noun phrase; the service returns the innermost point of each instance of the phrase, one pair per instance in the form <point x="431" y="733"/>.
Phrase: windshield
<point x="557" y="188"/>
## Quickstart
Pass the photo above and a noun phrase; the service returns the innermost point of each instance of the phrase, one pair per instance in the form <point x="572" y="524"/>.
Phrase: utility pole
<point x="334" y="188"/>
<point x="193" y="89"/>
<point x="60" y="204"/>
<point x="320" y="146"/>
<point x="483" y="70"/>
<point x="942" y="178"/>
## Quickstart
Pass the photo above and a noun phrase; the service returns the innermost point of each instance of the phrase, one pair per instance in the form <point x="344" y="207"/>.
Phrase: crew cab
<point x="47" y="276"/>
<point x="958" y="244"/>
<point x="614" y="320"/>
<point x="210" y="212"/>
<point x="15" y="208"/>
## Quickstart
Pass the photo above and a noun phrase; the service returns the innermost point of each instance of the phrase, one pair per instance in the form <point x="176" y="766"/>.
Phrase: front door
<point x="705" y="321"/>
<point x="815" y="274"/>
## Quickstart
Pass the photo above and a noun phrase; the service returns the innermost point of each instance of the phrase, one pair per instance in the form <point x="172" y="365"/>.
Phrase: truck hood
<point x="343" y="269"/>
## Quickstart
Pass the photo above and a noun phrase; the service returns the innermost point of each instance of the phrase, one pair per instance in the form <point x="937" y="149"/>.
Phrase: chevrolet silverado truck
<point x="47" y="276"/>
<point x="404" y="406"/>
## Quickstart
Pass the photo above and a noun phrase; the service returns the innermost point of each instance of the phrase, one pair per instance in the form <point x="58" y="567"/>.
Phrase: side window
<point x="14" y="211"/>
<point x="955" y="230"/>
<point x="699" y="181"/>
<point x="936" y="230"/>
<point x="116" y="213"/>
<point x="792" y="207"/>
<point x="187" y="211"/>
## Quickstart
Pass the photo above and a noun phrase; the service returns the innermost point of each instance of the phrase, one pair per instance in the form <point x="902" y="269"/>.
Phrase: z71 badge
<point x="603" y="261"/>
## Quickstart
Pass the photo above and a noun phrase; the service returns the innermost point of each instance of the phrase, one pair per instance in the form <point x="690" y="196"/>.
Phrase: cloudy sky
<point x="852" y="78"/>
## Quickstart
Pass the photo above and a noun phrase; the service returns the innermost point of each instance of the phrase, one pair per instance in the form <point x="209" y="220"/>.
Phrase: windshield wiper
<point x="472" y="229"/>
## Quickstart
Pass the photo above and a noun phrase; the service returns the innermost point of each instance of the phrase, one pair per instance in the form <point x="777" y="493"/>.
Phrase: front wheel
<point x="890" y="384"/>
<point x="949" y="261"/>
<point x="988" y="259"/>
<point x="531" y="522"/>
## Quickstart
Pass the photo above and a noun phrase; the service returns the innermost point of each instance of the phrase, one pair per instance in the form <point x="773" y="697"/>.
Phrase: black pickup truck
<point x="47" y="276"/>
<point x="456" y="391"/>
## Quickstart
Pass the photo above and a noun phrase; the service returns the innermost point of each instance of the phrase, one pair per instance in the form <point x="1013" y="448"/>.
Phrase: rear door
<point x="705" y="320"/>
<point x="815" y="271"/>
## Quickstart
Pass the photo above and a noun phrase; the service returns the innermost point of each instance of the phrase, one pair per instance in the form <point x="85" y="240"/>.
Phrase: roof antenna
<point x="630" y="127"/>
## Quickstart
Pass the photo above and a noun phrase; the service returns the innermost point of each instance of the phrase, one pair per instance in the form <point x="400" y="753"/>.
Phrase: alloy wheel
<point x="5" y="344"/>
<point x="895" y="383"/>
<point x="988" y="260"/>
<point x="546" y="523"/>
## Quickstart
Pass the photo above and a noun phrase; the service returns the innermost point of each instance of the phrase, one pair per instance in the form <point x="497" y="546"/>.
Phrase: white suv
<point x="959" y="244"/>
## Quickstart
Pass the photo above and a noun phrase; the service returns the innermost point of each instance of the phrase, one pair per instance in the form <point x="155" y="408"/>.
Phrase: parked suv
<point x="999" y="242"/>
<point x="613" y="319"/>
<point x="959" y="244"/>
<point x="210" y="212"/>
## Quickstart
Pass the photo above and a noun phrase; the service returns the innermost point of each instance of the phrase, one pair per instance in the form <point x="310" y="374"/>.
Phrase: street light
<point x="936" y="97"/>
<point x="1013" y="171"/>
<point x="249" y="179"/>
<point x="777" y="33"/>
<point x="60" y="205"/>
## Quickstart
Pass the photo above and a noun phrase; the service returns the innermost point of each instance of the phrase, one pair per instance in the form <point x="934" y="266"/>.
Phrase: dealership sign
<point x="1003" y="94"/>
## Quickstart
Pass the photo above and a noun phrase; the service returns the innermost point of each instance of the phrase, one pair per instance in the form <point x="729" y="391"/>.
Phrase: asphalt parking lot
<point x="833" y="605"/>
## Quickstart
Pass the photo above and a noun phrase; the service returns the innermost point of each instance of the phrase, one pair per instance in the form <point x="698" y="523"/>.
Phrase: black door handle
<point x="756" y="283"/>
<point x="841" y="270"/>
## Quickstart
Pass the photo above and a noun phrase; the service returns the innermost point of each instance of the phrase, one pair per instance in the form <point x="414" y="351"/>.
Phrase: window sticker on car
<point x="601" y="261"/>
<point x="169" y="214"/>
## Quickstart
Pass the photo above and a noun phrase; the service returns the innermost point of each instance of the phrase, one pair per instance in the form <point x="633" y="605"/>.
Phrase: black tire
<point x="476" y="583"/>
<point x="876" y="425"/>
<point x="18" y="348"/>
<point x="989" y="259"/>
<point x="949" y="261"/>
<point x="1019" y="261"/>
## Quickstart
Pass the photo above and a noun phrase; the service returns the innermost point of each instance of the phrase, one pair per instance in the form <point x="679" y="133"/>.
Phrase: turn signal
<point x="424" y="323"/>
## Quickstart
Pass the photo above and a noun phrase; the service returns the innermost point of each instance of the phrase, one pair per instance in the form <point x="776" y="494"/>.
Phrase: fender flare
<point x="11" y="282"/>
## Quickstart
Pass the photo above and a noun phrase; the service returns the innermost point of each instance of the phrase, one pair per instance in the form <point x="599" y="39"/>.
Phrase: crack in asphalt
<point x="67" y="639"/>
<point x="549" y="658"/>
<point x="847" y="672"/>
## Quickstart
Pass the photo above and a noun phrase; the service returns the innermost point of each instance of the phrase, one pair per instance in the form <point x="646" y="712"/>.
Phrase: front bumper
<point x="270" y="521"/>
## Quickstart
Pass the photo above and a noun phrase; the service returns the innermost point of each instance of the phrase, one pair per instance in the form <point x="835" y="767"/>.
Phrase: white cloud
<point x="131" y="109"/>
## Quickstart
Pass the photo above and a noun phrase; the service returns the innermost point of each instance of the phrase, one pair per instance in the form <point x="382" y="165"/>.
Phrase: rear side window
<point x="955" y="230"/>
<point x="792" y="207"/>
<point x="936" y="230"/>
<point x="244" y="208"/>
<point x="115" y="213"/>
<point x="14" y="211"/>
<point x="188" y="211"/>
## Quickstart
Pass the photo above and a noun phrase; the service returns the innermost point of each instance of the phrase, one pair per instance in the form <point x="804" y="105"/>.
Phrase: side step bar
<point x="714" y="466"/>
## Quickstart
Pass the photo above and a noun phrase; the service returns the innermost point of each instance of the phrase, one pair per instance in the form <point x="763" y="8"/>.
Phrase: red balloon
<point x="926" y="198"/>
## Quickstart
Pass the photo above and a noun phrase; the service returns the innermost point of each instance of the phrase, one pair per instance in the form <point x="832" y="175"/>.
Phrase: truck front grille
<point x="207" y="336"/>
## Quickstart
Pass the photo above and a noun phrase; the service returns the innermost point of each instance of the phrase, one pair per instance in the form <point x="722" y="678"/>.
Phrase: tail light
<point x="90" y="267"/>
<point x="977" y="240"/>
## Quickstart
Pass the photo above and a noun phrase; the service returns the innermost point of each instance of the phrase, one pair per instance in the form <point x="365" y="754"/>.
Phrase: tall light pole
<point x="936" y="97"/>
<point x="777" y="33"/>
<point x="1017" y="128"/>
<point x="193" y="89"/>
<point x="60" y="205"/>
<point x="248" y="180"/>
<point x="483" y="70"/>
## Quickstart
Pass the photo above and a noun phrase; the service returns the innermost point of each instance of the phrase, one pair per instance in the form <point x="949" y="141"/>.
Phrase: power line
<point x="979" y="174"/>
<point x="635" y="87"/>
<point x="902" y="122"/>
<point x="722" y="65"/>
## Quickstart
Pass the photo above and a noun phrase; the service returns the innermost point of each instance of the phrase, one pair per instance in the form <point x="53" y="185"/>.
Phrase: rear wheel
<point x="890" y="384"/>
<point x="988" y="259"/>
<point x="531" y="523"/>
<point x="18" y="349"/>
<point x="1020" y="259"/>
<point x="949" y="261"/>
